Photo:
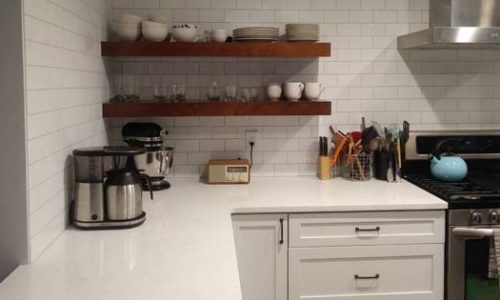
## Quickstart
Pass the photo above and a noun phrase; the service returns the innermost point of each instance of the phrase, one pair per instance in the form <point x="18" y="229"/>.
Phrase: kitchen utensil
<point x="447" y="166"/>
<point x="273" y="91"/>
<point x="313" y="90"/>
<point x="404" y="137"/>
<point x="340" y="140"/>
<point x="293" y="90"/>
<point x="379" y="128"/>
<point x="367" y="135"/>
<point x="363" y="124"/>
<point x="184" y="32"/>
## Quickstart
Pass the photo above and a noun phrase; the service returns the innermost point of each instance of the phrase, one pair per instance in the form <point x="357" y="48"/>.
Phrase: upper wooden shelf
<point x="263" y="108"/>
<point x="235" y="49"/>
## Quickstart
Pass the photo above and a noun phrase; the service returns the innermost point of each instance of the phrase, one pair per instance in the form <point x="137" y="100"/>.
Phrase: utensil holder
<point x="357" y="167"/>
<point x="323" y="168"/>
<point x="382" y="163"/>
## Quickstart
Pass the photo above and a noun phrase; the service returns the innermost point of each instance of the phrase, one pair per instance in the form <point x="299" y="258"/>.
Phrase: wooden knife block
<point x="323" y="168"/>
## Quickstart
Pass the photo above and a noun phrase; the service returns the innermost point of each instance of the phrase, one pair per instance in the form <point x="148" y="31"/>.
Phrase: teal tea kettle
<point x="448" y="166"/>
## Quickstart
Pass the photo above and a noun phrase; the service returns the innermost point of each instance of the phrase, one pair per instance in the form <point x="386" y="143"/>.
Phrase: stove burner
<point x="455" y="191"/>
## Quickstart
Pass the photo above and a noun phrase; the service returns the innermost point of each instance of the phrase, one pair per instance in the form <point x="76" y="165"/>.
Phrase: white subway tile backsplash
<point x="366" y="76"/>
<point x="66" y="83"/>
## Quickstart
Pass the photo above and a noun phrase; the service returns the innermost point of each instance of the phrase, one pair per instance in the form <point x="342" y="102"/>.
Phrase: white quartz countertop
<point x="185" y="249"/>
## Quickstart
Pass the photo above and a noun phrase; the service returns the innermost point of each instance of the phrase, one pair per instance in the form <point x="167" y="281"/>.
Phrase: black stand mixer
<point x="157" y="159"/>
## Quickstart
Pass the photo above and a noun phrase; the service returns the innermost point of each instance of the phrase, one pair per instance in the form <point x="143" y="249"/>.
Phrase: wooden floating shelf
<point x="156" y="109"/>
<point x="235" y="49"/>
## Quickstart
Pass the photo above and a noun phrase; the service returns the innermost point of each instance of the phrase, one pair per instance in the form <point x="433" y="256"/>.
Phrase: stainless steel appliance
<point x="158" y="159"/>
<point x="123" y="190"/>
<point x="108" y="192"/>
<point x="458" y="23"/>
<point x="474" y="207"/>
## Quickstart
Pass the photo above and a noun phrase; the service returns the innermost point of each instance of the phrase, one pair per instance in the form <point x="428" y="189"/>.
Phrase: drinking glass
<point x="178" y="92"/>
<point x="231" y="93"/>
<point x="160" y="92"/>
<point x="214" y="92"/>
<point x="129" y="88"/>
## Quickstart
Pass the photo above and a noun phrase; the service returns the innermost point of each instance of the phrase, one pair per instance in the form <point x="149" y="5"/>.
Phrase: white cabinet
<point x="367" y="256"/>
<point x="383" y="255"/>
<point x="262" y="251"/>
<point x="410" y="272"/>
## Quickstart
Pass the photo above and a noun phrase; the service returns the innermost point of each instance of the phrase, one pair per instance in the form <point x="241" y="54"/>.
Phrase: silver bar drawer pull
<point x="357" y="277"/>
<point x="367" y="229"/>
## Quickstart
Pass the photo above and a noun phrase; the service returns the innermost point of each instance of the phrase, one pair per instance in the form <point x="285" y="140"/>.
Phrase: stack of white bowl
<point x="129" y="27"/>
<point x="156" y="29"/>
<point x="302" y="32"/>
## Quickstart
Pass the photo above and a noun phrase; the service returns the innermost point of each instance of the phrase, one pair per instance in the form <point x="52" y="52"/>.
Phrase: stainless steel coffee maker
<point x="108" y="188"/>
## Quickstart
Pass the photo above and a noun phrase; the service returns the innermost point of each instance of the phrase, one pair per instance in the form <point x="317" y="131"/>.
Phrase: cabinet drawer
<point x="413" y="272"/>
<point x="366" y="228"/>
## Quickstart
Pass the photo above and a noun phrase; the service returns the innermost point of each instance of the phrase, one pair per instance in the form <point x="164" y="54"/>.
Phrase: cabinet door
<point x="262" y="252"/>
<point x="409" y="272"/>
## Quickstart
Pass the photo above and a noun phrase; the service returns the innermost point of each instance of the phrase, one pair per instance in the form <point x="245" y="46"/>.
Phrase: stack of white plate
<point x="302" y="32"/>
<point x="252" y="34"/>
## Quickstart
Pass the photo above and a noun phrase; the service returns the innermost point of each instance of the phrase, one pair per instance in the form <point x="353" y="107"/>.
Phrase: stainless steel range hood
<point x="458" y="24"/>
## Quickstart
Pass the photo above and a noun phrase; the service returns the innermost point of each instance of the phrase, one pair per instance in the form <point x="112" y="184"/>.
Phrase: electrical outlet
<point x="251" y="135"/>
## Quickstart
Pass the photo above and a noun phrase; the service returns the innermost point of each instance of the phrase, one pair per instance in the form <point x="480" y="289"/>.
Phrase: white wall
<point x="366" y="76"/>
<point x="13" y="171"/>
<point x="66" y="84"/>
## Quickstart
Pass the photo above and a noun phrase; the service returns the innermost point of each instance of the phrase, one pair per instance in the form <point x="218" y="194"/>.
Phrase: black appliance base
<point x="157" y="186"/>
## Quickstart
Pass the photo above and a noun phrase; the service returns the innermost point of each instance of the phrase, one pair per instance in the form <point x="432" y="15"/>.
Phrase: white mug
<point x="293" y="90"/>
<point x="274" y="91"/>
<point x="219" y="35"/>
<point x="313" y="90"/>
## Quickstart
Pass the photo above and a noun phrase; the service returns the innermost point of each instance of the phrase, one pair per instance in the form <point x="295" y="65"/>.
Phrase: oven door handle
<point x="473" y="232"/>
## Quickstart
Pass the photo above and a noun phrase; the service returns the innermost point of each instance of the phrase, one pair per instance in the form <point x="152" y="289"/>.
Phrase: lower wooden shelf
<point x="157" y="109"/>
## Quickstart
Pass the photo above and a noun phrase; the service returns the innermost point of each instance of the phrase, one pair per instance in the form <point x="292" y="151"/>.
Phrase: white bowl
<point x="219" y="35"/>
<point x="184" y="32"/>
<point x="128" y="18"/>
<point x="154" y="33"/>
<point x="158" y="19"/>
<point x="151" y="24"/>
<point x="129" y="33"/>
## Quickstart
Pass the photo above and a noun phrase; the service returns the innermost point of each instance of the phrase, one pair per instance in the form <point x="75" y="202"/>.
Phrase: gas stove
<point x="480" y="149"/>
